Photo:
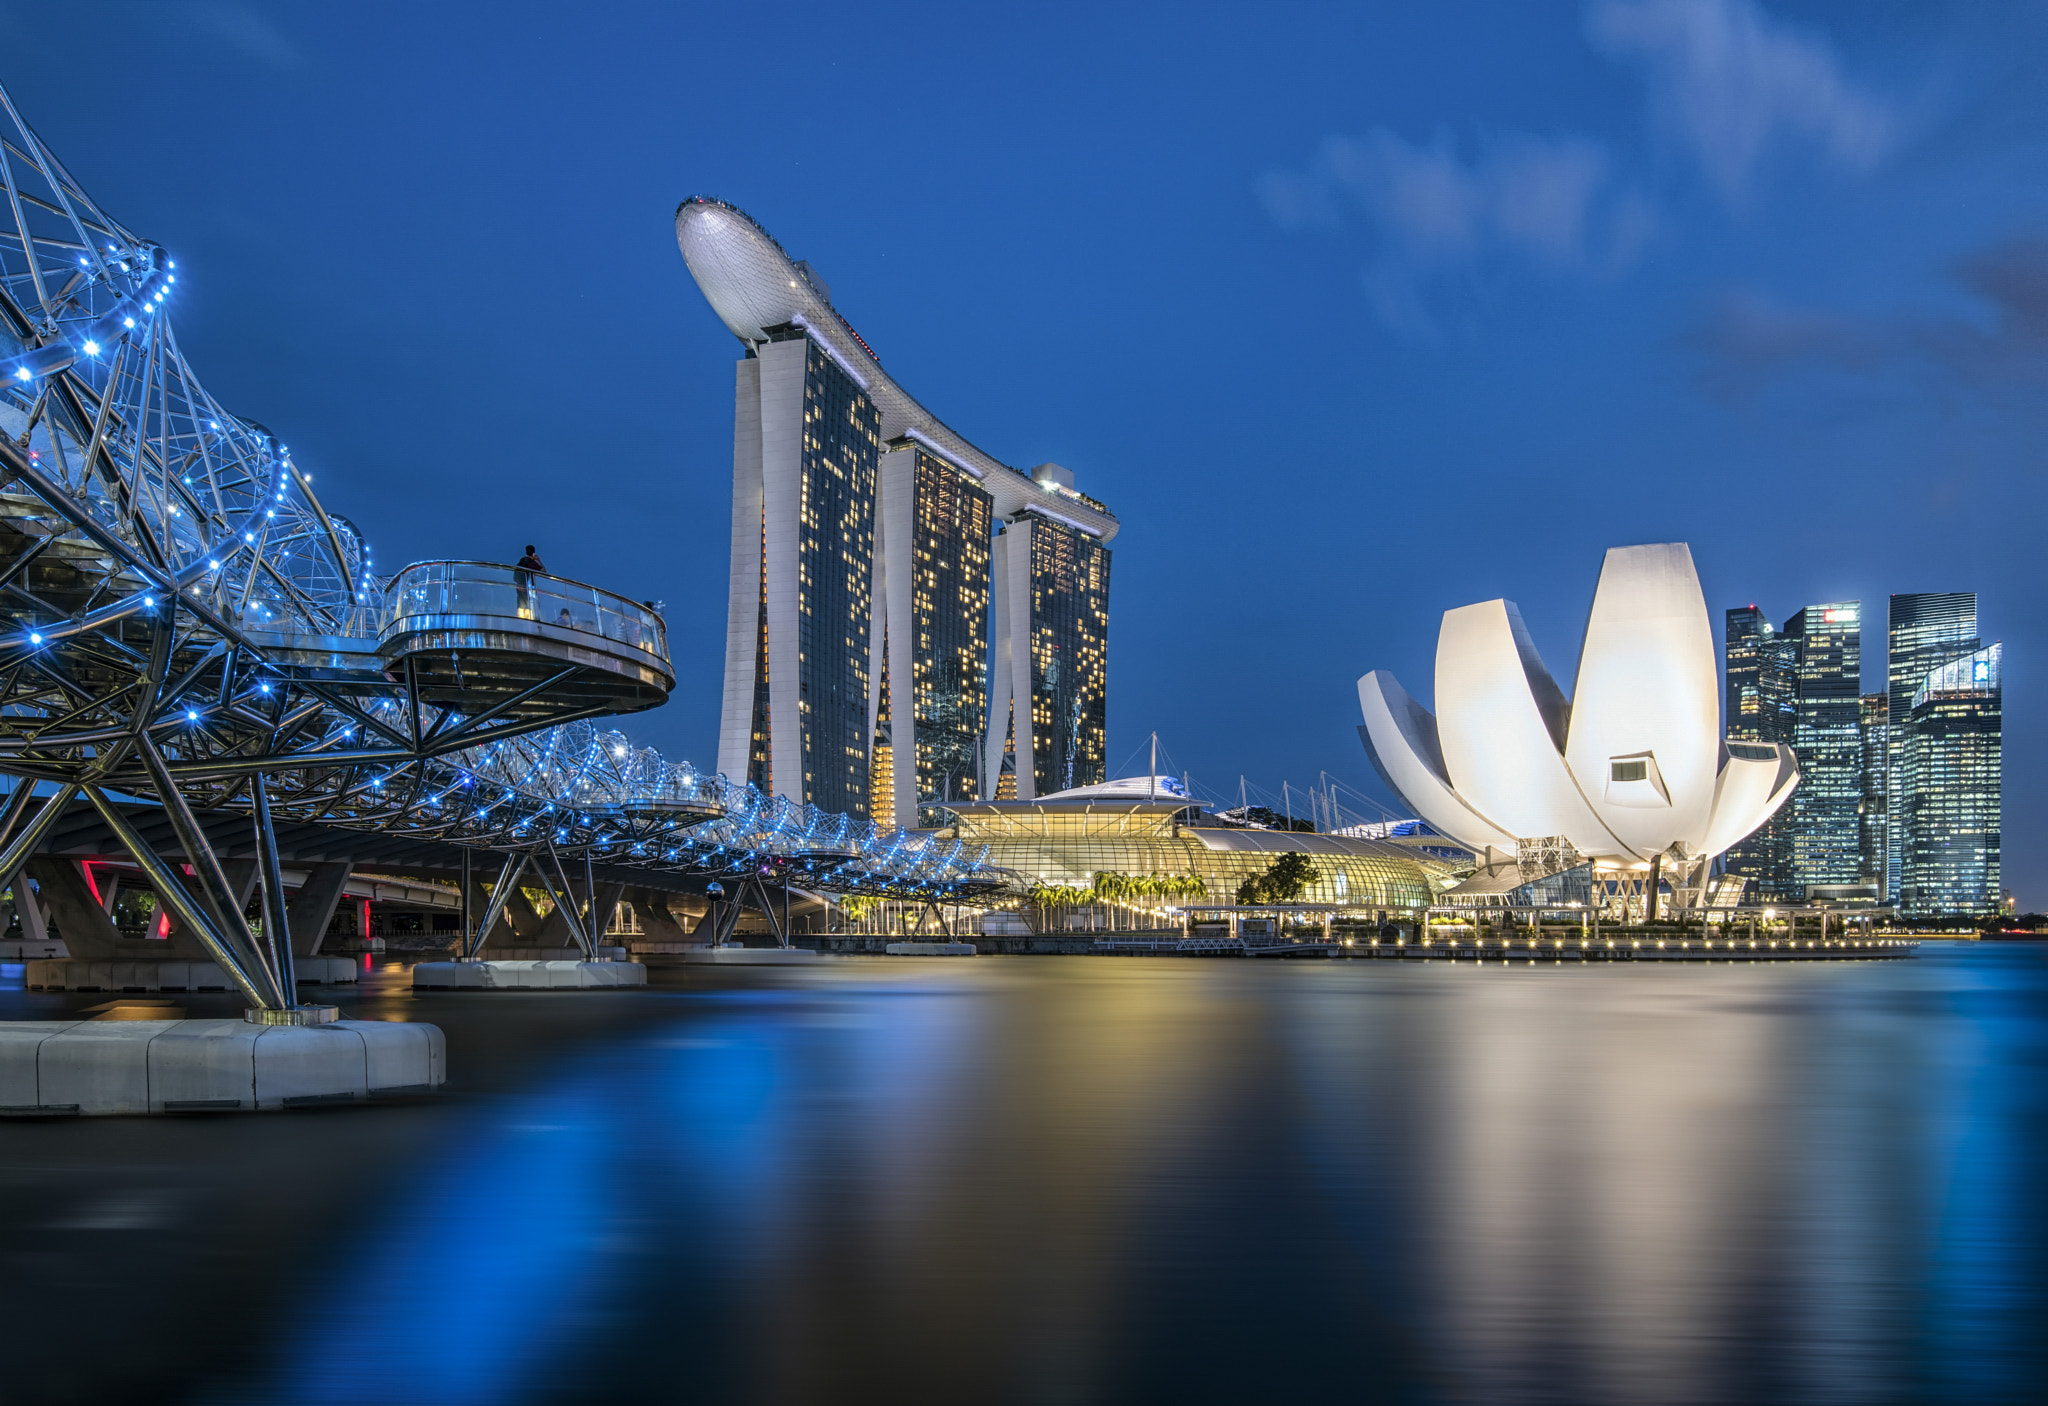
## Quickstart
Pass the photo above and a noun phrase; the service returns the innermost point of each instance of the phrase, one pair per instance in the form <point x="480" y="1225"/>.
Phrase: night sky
<point x="1353" y="313"/>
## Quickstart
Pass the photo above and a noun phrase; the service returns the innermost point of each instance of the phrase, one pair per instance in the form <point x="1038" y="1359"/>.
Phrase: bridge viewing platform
<point x="480" y="637"/>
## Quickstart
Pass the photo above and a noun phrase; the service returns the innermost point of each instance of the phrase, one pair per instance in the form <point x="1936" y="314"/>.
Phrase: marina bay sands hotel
<point x="911" y="620"/>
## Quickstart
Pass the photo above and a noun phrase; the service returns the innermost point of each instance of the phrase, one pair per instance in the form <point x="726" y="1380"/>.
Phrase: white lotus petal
<point x="1750" y="790"/>
<point x="1401" y="738"/>
<point x="1645" y="733"/>
<point x="1501" y="720"/>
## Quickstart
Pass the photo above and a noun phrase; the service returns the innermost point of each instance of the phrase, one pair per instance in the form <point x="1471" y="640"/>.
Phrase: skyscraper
<point x="805" y="442"/>
<point x="1762" y="678"/>
<point x="1950" y="828"/>
<point x="1873" y="726"/>
<point x="932" y="638"/>
<point x="1048" y="708"/>
<point x="866" y="555"/>
<point x="1924" y="631"/>
<point x="1762" y="694"/>
<point x="1827" y="739"/>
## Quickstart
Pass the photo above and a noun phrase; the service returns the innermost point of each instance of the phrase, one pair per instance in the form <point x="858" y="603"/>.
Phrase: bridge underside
<point x="82" y="834"/>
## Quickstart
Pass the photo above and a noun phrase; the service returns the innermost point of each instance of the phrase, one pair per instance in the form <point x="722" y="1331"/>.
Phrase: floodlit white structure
<point x="869" y="541"/>
<point x="1630" y="770"/>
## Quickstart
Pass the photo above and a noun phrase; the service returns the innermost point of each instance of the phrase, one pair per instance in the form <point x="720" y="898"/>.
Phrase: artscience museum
<point x="1630" y="771"/>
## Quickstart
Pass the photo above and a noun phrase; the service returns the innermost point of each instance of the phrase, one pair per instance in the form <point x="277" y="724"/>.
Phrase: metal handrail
<point x="513" y="592"/>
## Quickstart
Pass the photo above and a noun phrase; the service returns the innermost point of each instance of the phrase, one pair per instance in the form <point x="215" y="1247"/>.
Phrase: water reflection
<point x="1088" y="1180"/>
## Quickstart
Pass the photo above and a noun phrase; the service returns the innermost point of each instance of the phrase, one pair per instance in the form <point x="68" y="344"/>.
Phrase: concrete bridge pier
<point x="280" y="1054"/>
<point x="564" y="955"/>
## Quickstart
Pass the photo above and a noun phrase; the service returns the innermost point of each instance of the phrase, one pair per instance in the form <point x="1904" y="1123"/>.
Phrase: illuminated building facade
<point x="1826" y="840"/>
<point x="1052" y="626"/>
<point x="1873" y="726"/>
<point x="1118" y="828"/>
<point x="1925" y="630"/>
<point x="1761" y="706"/>
<point x="931" y="631"/>
<point x="805" y="448"/>
<point x="1953" y="757"/>
<point x="876" y="549"/>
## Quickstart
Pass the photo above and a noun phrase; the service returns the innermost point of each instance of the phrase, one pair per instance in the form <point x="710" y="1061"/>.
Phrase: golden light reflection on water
<point x="1096" y="1180"/>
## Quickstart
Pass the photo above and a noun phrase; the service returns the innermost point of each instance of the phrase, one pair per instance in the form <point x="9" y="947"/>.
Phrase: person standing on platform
<point x="522" y="577"/>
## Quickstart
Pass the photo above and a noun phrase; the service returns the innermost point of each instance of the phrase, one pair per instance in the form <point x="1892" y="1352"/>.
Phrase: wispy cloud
<point x="1747" y="340"/>
<point x="1547" y="199"/>
<point x="1731" y="84"/>
<point x="250" y="31"/>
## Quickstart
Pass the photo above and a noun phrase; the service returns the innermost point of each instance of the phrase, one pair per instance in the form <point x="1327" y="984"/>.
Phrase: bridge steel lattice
<point x="182" y="621"/>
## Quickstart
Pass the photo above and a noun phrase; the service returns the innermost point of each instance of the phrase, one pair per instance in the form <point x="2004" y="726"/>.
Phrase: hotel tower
<point x="910" y="620"/>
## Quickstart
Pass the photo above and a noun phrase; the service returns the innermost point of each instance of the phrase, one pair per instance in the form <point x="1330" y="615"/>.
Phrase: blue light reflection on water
<point x="479" y="1278"/>
<point x="1990" y="1173"/>
<point x="1125" y="1181"/>
<point x="501" y="1266"/>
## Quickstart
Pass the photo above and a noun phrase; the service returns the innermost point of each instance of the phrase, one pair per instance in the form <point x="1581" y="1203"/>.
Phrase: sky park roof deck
<point x="757" y="289"/>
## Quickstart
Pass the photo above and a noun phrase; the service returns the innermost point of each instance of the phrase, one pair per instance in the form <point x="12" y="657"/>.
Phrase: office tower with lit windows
<point x="931" y="635"/>
<point x="1762" y="701"/>
<point x="874" y="549"/>
<point x="1048" y="709"/>
<point x="1925" y="630"/>
<point x="1949" y="830"/>
<point x="796" y="681"/>
<point x="1827" y="739"/>
<point x="1874" y="734"/>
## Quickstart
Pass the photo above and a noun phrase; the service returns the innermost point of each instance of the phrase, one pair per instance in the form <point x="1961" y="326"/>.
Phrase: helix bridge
<point x="182" y="622"/>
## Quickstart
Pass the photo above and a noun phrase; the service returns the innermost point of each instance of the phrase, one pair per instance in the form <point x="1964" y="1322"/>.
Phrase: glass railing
<point x="480" y="588"/>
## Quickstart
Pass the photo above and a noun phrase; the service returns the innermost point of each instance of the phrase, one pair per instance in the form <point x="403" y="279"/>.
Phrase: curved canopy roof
<point x="754" y="287"/>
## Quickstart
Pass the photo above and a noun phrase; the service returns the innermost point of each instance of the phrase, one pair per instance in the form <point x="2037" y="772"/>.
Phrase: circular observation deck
<point x="478" y="635"/>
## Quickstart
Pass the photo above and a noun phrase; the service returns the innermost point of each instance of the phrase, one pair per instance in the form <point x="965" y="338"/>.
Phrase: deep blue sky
<point x="1354" y="313"/>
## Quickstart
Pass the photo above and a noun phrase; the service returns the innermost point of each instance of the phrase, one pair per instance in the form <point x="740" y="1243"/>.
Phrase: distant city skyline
<point x="1900" y="793"/>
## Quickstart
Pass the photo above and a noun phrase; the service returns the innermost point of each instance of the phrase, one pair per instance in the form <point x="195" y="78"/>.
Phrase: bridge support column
<point x="503" y="892"/>
<point x="28" y="908"/>
<point x="564" y="917"/>
<point x="88" y="932"/>
<point x="480" y="902"/>
<point x="608" y="897"/>
<point x="237" y="958"/>
<point x="311" y="910"/>
<point x="650" y="906"/>
<point x="519" y="913"/>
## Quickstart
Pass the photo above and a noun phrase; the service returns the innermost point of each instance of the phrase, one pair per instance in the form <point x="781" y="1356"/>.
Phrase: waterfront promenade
<point x="1087" y="1181"/>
